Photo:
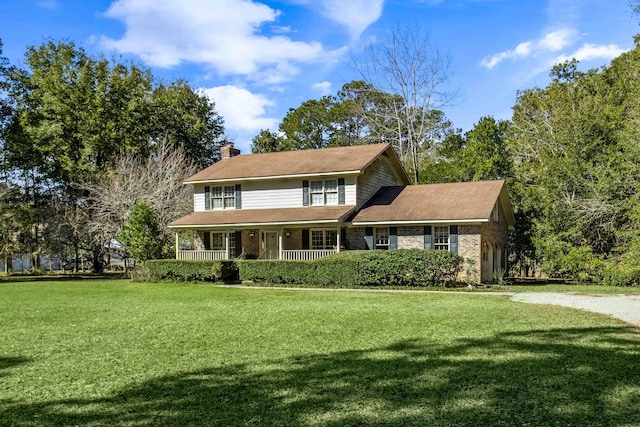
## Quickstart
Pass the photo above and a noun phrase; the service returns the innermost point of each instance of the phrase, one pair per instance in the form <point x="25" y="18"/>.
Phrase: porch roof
<point x="261" y="217"/>
<point x="452" y="202"/>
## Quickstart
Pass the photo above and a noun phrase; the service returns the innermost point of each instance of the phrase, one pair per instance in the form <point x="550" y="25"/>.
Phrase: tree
<point x="331" y="121"/>
<point x="409" y="68"/>
<point x="186" y="118"/>
<point x="267" y="142"/>
<point x="156" y="181"/>
<point x="75" y="115"/>
<point x="573" y="179"/>
<point x="479" y="154"/>
<point x="141" y="235"/>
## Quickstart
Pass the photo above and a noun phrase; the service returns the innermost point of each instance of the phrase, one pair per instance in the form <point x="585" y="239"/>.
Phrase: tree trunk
<point x="98" y="261"/>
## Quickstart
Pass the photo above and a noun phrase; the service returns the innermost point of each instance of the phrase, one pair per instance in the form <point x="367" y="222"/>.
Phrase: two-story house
<point x="301" y="205"/>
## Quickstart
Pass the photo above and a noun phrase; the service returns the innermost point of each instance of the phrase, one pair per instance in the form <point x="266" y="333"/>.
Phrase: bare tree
<point x="158" y="181"/>
<point x="413" y="74"/>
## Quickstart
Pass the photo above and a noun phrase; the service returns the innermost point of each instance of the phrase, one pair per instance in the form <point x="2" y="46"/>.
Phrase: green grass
<point x="96" y="353"/>
<point x="565" y="288"/>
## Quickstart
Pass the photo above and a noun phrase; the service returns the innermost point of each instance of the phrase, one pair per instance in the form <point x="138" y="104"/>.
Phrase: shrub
<point x="275" y="271"/>
<point x="402" y="267"/>
<point x="188" y="271"/>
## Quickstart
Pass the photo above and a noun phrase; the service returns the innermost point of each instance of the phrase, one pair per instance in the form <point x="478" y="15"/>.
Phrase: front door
<point x="271" y="245"/>
<point x="487" y="263"/>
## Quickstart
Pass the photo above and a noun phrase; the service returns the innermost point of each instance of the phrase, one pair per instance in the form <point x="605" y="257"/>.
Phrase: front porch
<point x="294" y="244"/>
<point x="290" y="255"/>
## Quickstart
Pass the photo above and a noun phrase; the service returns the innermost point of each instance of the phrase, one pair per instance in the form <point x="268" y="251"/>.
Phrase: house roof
<point x="453" y="202"/>
<point x="295" y="163"/>
<point x="251" y="217"/>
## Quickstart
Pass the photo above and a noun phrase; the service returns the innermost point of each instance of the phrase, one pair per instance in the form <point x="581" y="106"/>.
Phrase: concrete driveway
<point x="624" y="307"/>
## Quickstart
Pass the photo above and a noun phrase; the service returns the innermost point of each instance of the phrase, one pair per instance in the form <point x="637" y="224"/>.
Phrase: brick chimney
<point x="228" y="152"/>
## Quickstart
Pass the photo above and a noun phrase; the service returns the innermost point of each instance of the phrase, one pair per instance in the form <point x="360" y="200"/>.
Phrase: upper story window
<point x="223" y="197"/>
<point x="441" y="238"/>
<point x="495" y="213"/>
<point x="382" y="238"/>
<point x="324" y="192"/>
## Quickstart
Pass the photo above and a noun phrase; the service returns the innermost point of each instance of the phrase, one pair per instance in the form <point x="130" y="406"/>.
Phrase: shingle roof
<point x="263" y="216"/>
<point x="301" y="162"/>
<point x="461" y="201"/>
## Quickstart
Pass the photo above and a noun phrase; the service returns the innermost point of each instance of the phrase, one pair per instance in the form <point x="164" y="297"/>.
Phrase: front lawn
<point x="115" y="353"/>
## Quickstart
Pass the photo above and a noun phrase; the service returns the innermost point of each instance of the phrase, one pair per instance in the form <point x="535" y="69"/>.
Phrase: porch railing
<point x="202" y="255"/>
<point x="306" y="255"/>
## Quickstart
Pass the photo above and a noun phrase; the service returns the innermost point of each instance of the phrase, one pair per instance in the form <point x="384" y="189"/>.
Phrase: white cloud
<point x="557" y="40"/>
<point x="323" y="87"/>
<point x="550" y="42"/>
<point x="355" y="15"/>
<point x="589" y="52"/>
<point x="243" y="111"/>
<point x="225" y="35"/>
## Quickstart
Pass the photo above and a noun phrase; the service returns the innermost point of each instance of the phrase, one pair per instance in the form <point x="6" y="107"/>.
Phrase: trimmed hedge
<point x="189" y="271"/>
<point x="400" y="267"/>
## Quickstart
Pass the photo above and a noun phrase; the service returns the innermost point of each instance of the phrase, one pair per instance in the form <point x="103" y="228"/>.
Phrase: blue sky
<point x="257" y="59"/>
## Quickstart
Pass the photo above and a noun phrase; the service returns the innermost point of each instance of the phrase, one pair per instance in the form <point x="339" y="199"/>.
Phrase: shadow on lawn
<point x="11" y="361"/>
<point x="548" y="377"/>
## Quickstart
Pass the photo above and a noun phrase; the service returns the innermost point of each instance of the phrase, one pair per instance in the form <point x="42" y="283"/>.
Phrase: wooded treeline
<point x="83" y="141"/>
<point x="94" y="149"/>
<point x="570" y="155"/>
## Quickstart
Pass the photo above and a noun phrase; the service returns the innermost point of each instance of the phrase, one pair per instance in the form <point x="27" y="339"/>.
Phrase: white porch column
<point x="280" y="243"/>
<point x="226" y="244"/>
<point x="177" y="243"/>
<point x="338" y="241"/>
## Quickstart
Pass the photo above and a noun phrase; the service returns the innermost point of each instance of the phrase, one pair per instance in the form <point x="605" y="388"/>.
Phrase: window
<point x="223" y="197"/>
<point x="324" y="192"/>
<point x="382" y="238"/>
<point x="441" y="238"/>
<point x="216" y="197"/>
<point x="218" y="241"/>
<point x="317" y="193"/>
<point x="331" y="192"/>
<point x="496" y="217"/>
<point x="232" y="243"/>
<point x="229" y="196"/>
<point x="324" y="239"/>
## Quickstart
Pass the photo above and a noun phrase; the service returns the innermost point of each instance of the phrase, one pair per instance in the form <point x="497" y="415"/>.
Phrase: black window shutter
<point x="427" y="237"/>
<point x="453" y="239"/>
<point x="343" y="237"/>
<point x="238" y="197"/>
<point x="206" y="237"/>
<point x="207" y="197"/>
<point x="368" y="237"/>
<point x="305" y="238"/>
<point x="238" y="243"/>
<point x="341" y="191"/>
<point x="393" y="237"/>
<point x="305" y="193"/>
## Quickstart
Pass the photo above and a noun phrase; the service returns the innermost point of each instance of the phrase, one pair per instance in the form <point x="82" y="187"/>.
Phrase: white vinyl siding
<point x="287" y="193"/>
<point x="198" y="198"/>
<point x="379" y="174"/>
<point x="280" y="193"/>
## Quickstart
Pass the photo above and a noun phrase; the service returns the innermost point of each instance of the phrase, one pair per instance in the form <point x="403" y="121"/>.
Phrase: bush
<point x="188" y="271"/>
<point x="275" y="271"/>
<point x="401" y="268"/>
